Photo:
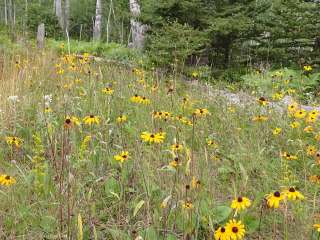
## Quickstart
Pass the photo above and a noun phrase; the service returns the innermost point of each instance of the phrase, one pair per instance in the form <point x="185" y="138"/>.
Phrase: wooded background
<point x="219" y="34"/>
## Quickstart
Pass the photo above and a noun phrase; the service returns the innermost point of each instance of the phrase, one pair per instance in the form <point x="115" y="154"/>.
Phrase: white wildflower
<point x="13" y="99"/>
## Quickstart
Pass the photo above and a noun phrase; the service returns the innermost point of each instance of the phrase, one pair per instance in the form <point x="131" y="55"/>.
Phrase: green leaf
<point x="251" y="223"/>
<point x="221" y="213"/>
<point x="137" y="207"/>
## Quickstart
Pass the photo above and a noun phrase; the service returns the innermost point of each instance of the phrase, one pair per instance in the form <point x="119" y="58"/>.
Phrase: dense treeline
<point x="215" y="33"/>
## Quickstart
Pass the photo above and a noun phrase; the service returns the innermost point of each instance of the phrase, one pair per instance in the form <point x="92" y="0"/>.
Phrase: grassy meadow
<point x="93" y="150"/>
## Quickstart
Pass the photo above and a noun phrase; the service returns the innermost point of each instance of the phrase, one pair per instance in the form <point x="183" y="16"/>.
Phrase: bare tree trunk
<point x="5" y="12"/>
<point x="98" y="22"/>
<point x="138" y="29"/>
<point x="9" y="8"/>
<point x="40" y="36"/>
<point x="25" y="21"/>
<point x="14" y="14"/>
<point x="66" y="15"/>
<point x="58" y="10"/>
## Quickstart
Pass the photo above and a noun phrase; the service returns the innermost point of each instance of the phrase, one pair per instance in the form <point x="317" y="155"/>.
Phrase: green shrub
<point x="174" y="43"/>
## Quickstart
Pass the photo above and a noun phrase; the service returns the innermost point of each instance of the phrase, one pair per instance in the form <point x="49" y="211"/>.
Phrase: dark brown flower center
<point x="68" y="121"/>
<point x="235" y="229"/>
<point x="152" y="136"/>
<point x="7" y="177"/>
<point x="91" y="116"/>
<point x="292" y="189"/>
<point x="223" y="229"/>
<point x="276" y="194"/>
<point x="240" y="199"/>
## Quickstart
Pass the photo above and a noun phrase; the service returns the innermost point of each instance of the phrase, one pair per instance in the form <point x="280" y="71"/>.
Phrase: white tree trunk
<point x="98" y="22"/>
<point x="138" y="29"/>
<point x="66" y="15"/>
<point x="58" y="10"/>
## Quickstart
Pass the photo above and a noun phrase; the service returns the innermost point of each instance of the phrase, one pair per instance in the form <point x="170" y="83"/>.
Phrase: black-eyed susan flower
<point x="307" y="68"/>
<point x="292" y="194"/>
<point x="71" y="121"/>
<point x="293" y="107"/>
<point x="153" y="137"/>
<point x="187" y="205"/>
<point x="288" y="156"/>
<point x="185" y="100"/>
<point x="311" y="119"/>
<point x="314" y="112"/>
<point x="317" y="157"/>
<point x="121" y="119"/>
<point x="14" y="141"/>
<point x="311" y="150"/>
<point x="263" y="101"/>
<point x="157" y="114"/>
<point x="240" y="203"/>
<point x="222" y="234"/>
<point x="145" y="100"/>
<point x="60" y="71"/>
<point x="195" y="183"/>
<point x="201" y="112"/>
<point x="174" y="163"/>
<point x="300" y="114"/>
<point x="122" y="157"/>
<point x="276" y="131"/>
<point x="277" y="96"/>
<point x="107" y="91"/>
<point x="317" y="227"/>
<point x="274" y="199"/>
<point x="135" y="98"/>
<point x="259" y="118"/>
<point x="295" y="124"/>
<point x="291" y="91"/>
<point x="308" y="129"/>
<point x="314" y="179"/>
<point x="212" y="143"/>
<point x="91" y="119"/>
<point x="176" y="147"/>
<point x="195" y="74"/>
<point x="47" y="110"/>
<point x="186" y="121"/>
<point x="317" y="137"/>
<point x="7" y="180"/>
<point x="236" y="229"/>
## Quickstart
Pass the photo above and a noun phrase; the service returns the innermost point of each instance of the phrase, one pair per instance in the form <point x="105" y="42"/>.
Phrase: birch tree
<point x="98" y="22"/>
<point x="137" y="28"/>
<point x="66" y="15"/>
<point x="58" y="11"/>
